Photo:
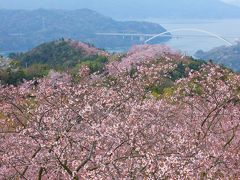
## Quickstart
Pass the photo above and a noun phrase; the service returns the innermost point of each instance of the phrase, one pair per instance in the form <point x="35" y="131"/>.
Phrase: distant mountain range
<point x="227" y="56"/>
<point x="138" y="8"/>
<point x="188" y="9"/>
<point x="23" y="29"/>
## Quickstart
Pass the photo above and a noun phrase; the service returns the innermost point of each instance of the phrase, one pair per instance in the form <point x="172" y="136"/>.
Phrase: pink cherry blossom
<point x="112" y="127"/>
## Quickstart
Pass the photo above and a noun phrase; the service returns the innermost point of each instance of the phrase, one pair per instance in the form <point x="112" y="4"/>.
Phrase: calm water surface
<point x="190" y="42"/>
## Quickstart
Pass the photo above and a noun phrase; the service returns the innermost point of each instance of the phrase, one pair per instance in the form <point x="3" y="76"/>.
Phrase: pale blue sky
<point x="137" y="8"/>
<point x="70" y="4"/>
<point x="236" y="2"/>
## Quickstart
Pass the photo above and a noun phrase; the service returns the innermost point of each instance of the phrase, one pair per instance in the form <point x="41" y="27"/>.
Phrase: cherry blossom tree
<point x="113" y="127"/>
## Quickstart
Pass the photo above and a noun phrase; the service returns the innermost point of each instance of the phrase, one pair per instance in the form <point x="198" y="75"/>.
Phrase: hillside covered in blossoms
<point x="151" y="113"/>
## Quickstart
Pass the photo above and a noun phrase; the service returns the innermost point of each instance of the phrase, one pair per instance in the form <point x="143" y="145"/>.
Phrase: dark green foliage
<point x="133" y="72"/>
<point x="179" y="72"/>
<point x="11" y="77"/>
<point x="195" y="64"/>
<point x="95" y="64"/>
<point x="159" y="88"/>
<point x="165" y="86"/>
<point x="56" y="54"/>
<point x="36" y="70"/>
<point x="15" y="76"/>
<point x="59" y="55"/>
<point x="182" y="68"/>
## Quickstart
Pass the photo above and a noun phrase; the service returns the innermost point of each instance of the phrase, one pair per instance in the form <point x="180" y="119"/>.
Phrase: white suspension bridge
<point x="146" y="38"/>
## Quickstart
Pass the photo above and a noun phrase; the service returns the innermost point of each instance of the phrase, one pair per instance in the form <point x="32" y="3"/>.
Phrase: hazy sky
<point x="69" y="4"/>
<point x="236" y="2"/>
<point x="137" y="8"/>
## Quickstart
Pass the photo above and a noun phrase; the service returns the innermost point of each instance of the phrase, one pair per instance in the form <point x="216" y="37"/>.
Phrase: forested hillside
<point x="21" y="30"/>
<point x="60" y="55"/>
<point x="227" y="56"/>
